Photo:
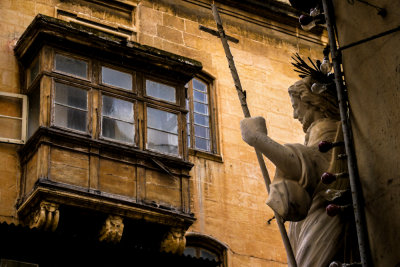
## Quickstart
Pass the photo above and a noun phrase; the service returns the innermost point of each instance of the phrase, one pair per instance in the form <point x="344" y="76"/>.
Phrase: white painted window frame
<point x="23" y="119"/>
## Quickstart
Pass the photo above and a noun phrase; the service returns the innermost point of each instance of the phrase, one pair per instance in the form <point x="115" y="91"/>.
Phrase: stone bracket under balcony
<point x="110" y="215"/>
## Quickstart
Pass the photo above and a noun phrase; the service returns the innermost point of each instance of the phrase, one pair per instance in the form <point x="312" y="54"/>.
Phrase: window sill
<point x="205" y="155"/>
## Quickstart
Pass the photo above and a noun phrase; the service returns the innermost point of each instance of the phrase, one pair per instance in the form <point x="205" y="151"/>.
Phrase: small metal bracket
<point x="163" y="167"/>
<point x="269" y="221"/>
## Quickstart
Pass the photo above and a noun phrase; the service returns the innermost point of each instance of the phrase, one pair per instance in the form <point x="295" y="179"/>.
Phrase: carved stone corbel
<point x="112" y="229"/>
<point x="46" y="217"/>
<point x="174" y="241"/>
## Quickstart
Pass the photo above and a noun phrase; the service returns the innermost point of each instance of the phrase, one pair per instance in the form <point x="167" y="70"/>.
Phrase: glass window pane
<point x="118" y="130"/>
<point x="162" y="141"/>
<point x="203" y="144"/>
<point x="117" y="109"/>
<point x="71" y="65"/>
<point x="11" y="106"/>
<point x="201" y="119"/>
<point x="200" y="86"/>
<point x="200" y="97"/>
<point x="189" y="251"/>
<point x="70" y="118"/>
<point x="201" y="131"/>
<point x="200" y="108"/>
<point x="162" y="120"/>
<point x="208" y="255"/>
<point x="187" y="103"/>
<point x="160" y="91"/>
<point x="10" y="128"/>
<point x="34" y="111"/>
<point x="116" y="78"/>
<point x="71" y="96"/>
<point x="34" y="71"/>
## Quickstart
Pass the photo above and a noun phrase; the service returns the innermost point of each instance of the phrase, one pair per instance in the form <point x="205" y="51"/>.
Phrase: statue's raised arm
<point x="296" y="192"/>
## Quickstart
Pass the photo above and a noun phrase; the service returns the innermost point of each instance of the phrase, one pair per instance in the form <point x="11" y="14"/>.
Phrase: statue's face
<point x="302" y="112"/>
<point x="299" y="108"/>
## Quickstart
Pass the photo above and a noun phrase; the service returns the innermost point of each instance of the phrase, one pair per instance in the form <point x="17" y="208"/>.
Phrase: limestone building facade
<point x="119" y="120"/>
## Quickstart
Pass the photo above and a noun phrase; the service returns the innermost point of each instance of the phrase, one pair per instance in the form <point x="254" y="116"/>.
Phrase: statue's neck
<point x="317" y="125"/>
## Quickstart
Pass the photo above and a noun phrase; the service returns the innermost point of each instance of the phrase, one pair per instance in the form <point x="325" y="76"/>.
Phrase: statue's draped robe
<point x="315" y="237"/>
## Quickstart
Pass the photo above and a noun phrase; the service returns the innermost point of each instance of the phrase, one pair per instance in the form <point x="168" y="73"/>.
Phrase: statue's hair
<point x="325" y="102"/>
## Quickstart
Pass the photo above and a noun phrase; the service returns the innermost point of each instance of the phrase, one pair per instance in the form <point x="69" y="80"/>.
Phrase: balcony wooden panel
<point x="31" y="174"/>
<point x="121" y="182"/>
<point x="69" y="167"/>
<point x="163" y="189"/>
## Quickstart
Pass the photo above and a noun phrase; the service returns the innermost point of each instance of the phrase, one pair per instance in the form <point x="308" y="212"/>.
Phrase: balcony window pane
<point x="71" y="66"/>
<point x="200" y="108"/>
<point x="71" y="96"/>
<point x="118" y="130"/>
<point x="162" y="141"/>
<point x="200" y="86"/>
<point x="10" y="128"/>
<point x="117" y="109"/>
<point x="162" y="131"/>
<point x="70" y="107"/>
<point x="160" y="91"/>
<point x="118" y="119"/>
<point x="200" y="97"/>
<point x="202" y="144"/>
<point x="162" y="120"/>
<point x="33" y="71"/>
<point x="34" y="111"/>
<point x="116" y="78"/>
<point x="70" y="118"/>
<point x="201" y="119"/>
<point x="201" y="131"/>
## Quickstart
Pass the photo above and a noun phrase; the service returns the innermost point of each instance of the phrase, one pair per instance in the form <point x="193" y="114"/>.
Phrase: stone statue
<point x="296" y="192"/>
<point x="174" y="241"/>
<point x="112" y="229"/>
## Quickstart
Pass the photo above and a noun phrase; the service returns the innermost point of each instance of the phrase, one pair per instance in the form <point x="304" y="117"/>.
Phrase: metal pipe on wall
<point x="355" y="183"/>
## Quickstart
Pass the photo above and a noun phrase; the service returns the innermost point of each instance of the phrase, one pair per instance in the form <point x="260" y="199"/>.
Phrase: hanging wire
<point x="381" y="11"/>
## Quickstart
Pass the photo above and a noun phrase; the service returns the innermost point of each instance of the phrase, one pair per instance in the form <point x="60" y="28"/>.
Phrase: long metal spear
<point x="246" y="112"/>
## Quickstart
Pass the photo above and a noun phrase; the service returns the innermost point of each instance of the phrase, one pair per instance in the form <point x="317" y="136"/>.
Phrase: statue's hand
<point x="253" y="129"/>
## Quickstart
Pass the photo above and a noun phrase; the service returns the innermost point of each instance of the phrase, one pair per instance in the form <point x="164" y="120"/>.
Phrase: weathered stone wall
<point x="372" y="73"/>
<point x="228" y="198"/>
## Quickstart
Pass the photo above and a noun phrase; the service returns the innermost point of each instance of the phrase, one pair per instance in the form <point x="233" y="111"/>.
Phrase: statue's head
<point x="309" y="106"/>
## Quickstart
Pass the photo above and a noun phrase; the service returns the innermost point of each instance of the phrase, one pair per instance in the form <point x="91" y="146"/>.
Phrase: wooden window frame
<point x="214" y="152"/>
<point x="87" y="132"/>
<point x="23" y="119"/>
